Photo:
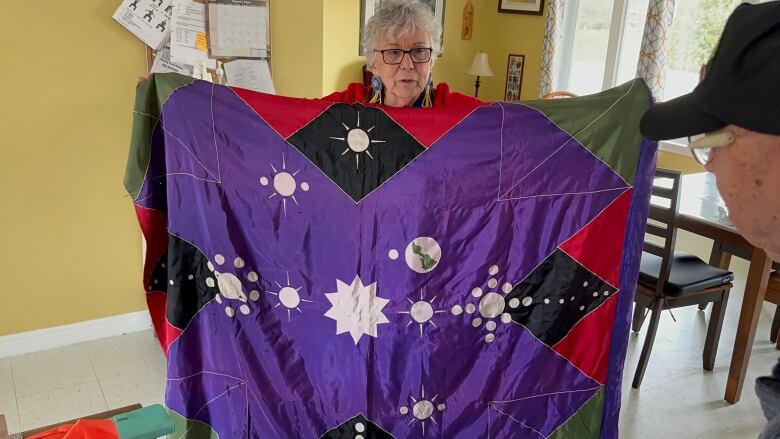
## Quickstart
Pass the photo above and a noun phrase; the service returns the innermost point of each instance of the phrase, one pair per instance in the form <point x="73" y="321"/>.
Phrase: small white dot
<point x="218" y="298"/>
<point x="476" y="322"/>
<point x="490" y="337"/>
<point x="528" y="300"/>
<point x="582" y="308"/>
<point x="491" y="325"/>
<point x="264" y="181"/>
<point x="304" y="186"/>
<point x="252" y="276"/>
<point x="219" y="259"/>
<point x="470" y="308"/>
<point x="229" y="311"/>
<point x="254" y="295"/>
<point x="154" y="281"/>
<point x="606" y="293"/>
<point x="210" y="265"/>
<point x="441" y="407"/>
<point x="492" y="283"/>
<point x="572" y="298"/>
<point x="561" y="301"/>
<point x="210" y="282"/>
<point x="162" y="265"/>
<point x="476" y="292"/>
<point x="585" y="284"/>
<point x="506" y="288"/>
<point x="404" y="410"/>
<point x="493" y="270"/>
<point x="393" y="254"/>
<point x="359" y="427"/>
<point x="506" y="317"/>
<point x="149" y="289"/>
<point x="238" y="263"/>
<point x="546" y="301"/>
<point x="244" y="309"/>
<point x="190" y="277"/>
<point x="457" y="310"/>
<point x="595" y="294"/>
<point x="170" y="282"/>
<point x="514" y="303"/>
<point x="358" y="436"/>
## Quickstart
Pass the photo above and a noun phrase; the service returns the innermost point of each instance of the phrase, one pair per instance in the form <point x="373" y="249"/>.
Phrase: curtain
<point x="654" y="51"/>
<point x="553" y="30"/>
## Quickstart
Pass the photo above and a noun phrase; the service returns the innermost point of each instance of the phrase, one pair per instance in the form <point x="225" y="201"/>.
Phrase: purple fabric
<point x="635" y="232"/>
<point x="488" y="195"/>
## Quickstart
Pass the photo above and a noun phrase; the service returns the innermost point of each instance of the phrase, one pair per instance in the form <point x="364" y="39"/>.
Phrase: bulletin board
<point x="151" y="53"/>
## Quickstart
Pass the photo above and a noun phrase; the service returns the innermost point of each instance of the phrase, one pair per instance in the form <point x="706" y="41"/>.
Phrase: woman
<point x="400" y="43"/>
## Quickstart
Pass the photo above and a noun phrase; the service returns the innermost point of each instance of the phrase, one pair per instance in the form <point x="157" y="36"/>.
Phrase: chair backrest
<point x="662" y="221"/>
<point x="559" y="94"/>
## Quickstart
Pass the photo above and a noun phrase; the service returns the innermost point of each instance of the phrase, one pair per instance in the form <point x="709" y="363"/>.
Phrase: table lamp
<point x="479" y="67"/>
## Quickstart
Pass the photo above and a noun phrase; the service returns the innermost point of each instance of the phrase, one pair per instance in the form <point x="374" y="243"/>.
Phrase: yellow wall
<point x="69" y="241"/>
<point x="676" y="162"/>
<point x="497" y="34"/>
<point x="342" y="63"/>
<point x="296" y="47"/>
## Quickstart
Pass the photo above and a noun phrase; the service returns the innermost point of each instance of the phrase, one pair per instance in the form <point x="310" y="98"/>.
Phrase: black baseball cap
<point x="741" y="85"/>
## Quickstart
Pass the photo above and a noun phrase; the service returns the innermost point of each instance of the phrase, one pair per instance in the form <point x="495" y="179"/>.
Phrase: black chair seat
<point x="688" y="273"/>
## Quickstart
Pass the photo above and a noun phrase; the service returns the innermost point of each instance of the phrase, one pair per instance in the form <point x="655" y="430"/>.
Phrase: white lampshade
<point x="480" y="66"/>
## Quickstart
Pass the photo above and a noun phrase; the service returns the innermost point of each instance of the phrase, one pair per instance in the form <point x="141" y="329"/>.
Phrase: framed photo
<point x="367" y="8"/>
<point x="530" y="7"/>
<point x="514" y="77"/>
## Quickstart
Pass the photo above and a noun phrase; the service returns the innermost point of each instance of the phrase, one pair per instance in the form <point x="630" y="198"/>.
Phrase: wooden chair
<point x="773" y="296"/>
<point x="669" y="279"/>
<point x="559" y="94"/>
<point x="721" y="257"/>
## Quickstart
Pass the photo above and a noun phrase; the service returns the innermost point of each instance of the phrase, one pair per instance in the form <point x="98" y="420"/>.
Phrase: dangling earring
<point x="428" y="98"/>
<point x="376" y="86"/>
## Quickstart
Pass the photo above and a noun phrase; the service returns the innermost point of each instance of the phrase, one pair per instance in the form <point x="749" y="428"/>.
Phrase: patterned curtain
<point x="655" y="46"/>
<point x="553" y="29"/>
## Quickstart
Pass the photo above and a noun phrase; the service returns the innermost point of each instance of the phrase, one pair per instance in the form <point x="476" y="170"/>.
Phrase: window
<point x="695" y="32"/>
<point x="602" y="39"/>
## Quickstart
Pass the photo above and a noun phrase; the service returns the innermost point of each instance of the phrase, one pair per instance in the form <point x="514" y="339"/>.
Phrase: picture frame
<point x="514" y="77"/>
<point x="368" y="7"/>
<point x="529" y="7"/>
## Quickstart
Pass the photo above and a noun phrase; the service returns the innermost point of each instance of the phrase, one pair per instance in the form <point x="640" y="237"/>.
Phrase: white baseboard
<point x="59" y="336"/>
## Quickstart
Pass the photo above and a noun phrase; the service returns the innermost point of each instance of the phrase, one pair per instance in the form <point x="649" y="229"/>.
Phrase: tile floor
<point x="60" y="384"/>
<point x="678" y="399"/>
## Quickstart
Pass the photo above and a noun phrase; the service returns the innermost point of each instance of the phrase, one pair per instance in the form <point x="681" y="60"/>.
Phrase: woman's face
<point x="403" y="82"/>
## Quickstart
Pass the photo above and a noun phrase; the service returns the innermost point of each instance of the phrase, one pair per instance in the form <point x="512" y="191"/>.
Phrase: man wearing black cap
<point x="732" y="120"/>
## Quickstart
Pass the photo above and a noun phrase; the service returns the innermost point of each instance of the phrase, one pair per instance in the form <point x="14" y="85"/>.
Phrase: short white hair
<point x="400" y="17"/>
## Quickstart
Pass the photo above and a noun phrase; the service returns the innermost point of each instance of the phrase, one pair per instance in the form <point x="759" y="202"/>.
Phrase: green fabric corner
<point x="190" y="429"/>
<point x="617" y="144"/>
<point x="150" y="95"/>
<point x="586" y="423"/>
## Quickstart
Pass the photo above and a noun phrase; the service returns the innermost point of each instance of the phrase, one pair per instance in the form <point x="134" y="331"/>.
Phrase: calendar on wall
<point x="238" y="28"/>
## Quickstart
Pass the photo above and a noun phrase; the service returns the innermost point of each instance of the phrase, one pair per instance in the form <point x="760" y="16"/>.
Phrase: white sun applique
<point x="356" y="309"/>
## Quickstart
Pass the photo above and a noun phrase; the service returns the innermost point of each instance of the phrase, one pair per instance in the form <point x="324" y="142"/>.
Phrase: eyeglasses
<point x="418" y="55"/>
<point x="702" y="145"/>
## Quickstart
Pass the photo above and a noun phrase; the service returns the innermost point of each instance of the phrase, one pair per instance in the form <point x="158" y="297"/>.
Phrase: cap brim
<point x="679" y="117"/>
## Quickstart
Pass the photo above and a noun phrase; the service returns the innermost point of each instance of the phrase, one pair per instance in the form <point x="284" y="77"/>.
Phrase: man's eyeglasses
<point x="418" y="55"/>
<point x="702" y="145"/>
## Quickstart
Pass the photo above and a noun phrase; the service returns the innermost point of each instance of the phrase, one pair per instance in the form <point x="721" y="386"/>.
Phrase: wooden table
<point x="703" y="212"/>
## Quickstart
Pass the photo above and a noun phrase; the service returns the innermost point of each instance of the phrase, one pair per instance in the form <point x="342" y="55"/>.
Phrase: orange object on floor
<point x="82" y="429"/>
